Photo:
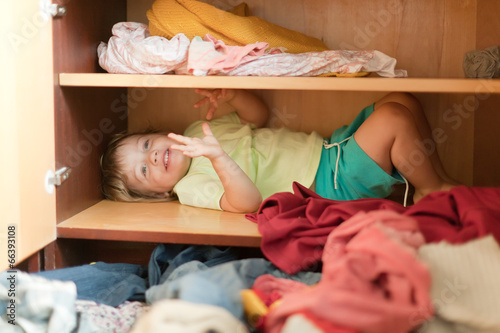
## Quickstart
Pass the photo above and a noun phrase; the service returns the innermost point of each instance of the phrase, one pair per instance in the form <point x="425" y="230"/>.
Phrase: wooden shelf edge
<point x="158" y="237"/>
<point x="431" y="85"/>
<point x="168" y="222"/>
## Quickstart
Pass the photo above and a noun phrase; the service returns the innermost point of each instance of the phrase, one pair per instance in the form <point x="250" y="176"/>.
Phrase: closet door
<point x="27" y="209"/>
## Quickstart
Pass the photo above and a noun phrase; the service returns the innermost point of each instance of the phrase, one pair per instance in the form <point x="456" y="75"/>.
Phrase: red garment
<point x="372" y="280"/>
<point x="295" y="226"/>
<point x="459" y="215"/>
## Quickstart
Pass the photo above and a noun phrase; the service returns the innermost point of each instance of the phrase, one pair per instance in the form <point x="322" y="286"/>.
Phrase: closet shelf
<point x="432" y="85"/>
<point x="168" y="222"/>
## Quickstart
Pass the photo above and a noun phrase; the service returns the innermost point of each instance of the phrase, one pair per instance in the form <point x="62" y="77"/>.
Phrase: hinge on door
<point x="57" y="10"/>
<point x="56" y="179"/>
<point x="49" y="9"/>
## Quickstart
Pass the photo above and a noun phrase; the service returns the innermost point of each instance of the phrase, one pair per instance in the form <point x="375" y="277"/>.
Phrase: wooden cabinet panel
<point x="27" y="210"/>
<point x="85" y="117"/>
<point x="428" y="38"/>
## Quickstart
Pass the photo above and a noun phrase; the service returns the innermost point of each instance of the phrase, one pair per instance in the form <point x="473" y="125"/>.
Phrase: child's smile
<point x="150" y="166"/>
<point x="165" y="158"/>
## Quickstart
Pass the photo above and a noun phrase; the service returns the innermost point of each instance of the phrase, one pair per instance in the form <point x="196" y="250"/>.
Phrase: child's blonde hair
<point x="114" y="181"/>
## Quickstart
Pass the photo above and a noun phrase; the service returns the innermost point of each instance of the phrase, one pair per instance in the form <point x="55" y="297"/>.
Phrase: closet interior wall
<point x="428" y="38"/>
<point x="487" y="116"/>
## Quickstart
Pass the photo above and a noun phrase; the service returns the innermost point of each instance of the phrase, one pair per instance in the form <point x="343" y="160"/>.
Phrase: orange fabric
<point x="193" y="18"/>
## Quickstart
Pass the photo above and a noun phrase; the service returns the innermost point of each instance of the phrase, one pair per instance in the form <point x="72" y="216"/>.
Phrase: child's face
<point x="151" y="166"/>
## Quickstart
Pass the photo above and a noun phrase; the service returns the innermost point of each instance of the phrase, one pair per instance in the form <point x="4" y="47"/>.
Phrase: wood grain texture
<point x="168" y="222"/>
<point x="487" y="117"/>
<point x="84" y="117"/>
<point x="428" y="39"/>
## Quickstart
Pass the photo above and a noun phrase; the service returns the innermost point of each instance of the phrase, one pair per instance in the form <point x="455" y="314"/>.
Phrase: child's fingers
<point x="178" y="147"/>
<point x="204" y="92"/>
<point x="189" y="152"/>
<point x="210" y="113"/>
<point x="211" y="110"/>
<point x="201" y="102"/>
<point x="206" y="129"/>
<point x="215" y="96"/>
<point x="175" y="136"/>
<point x="180" y="138"/>
<point x="193" y="150"/>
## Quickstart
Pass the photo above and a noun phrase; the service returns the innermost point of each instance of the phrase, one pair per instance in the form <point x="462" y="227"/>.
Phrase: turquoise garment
<point x="358" y="176"/>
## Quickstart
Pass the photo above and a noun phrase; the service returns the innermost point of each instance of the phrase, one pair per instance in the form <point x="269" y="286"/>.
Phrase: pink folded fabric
<point x="212" y="56"/>
<point x="372" y="280"/>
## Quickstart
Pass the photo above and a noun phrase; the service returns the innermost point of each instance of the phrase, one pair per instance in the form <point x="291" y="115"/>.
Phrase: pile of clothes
<point x="194" y="38"/>
<point x="368" y="265"/>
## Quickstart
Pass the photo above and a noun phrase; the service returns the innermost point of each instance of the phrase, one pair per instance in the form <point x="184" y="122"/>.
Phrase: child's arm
<point x="249" y="107"/>
<point x="240" y="193"/>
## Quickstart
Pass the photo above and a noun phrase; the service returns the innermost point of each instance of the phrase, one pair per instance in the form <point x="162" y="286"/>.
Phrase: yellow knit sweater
<point x="193" y="18"/>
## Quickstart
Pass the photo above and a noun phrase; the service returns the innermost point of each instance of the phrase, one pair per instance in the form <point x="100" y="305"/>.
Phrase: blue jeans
<point x="113" y="284"/>
<point x="110" y="284"/>
<point x="166" y="258"/>
<point x="219" y="285"/>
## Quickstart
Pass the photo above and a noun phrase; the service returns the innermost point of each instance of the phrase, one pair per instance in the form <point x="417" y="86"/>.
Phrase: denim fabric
<point x="110" y="284"/>
<point x="113" y="284"/>
<point x="166" y="258"/>
<point x="219" y="285"/>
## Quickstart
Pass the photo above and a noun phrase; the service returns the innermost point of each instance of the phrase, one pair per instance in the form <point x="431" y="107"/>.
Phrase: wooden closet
<point x="60" y="108"/>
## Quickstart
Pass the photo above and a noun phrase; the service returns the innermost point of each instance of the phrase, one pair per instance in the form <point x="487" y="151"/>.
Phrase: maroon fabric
<point x="372" y="280"/>
<point x="457" y="216"/>
<point x="295" y="226"/>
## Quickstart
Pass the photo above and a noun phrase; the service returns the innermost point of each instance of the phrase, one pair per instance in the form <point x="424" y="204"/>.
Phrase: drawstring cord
<point x="337" y="144"/>
<point x="330" y="145"/>
<point x="405" y="200"/>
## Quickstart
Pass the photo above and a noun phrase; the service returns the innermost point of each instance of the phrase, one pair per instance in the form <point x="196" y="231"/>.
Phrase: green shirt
<point x="272" y="158"/>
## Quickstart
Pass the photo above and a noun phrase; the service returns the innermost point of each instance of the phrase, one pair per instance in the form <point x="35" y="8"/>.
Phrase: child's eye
<point x="144" y="170"/>
<point x="146" y="145"/>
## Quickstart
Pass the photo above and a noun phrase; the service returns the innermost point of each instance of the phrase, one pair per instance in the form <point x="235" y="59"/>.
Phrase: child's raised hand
<point x="214" y="98"/>
<point x="195" y="147"/>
